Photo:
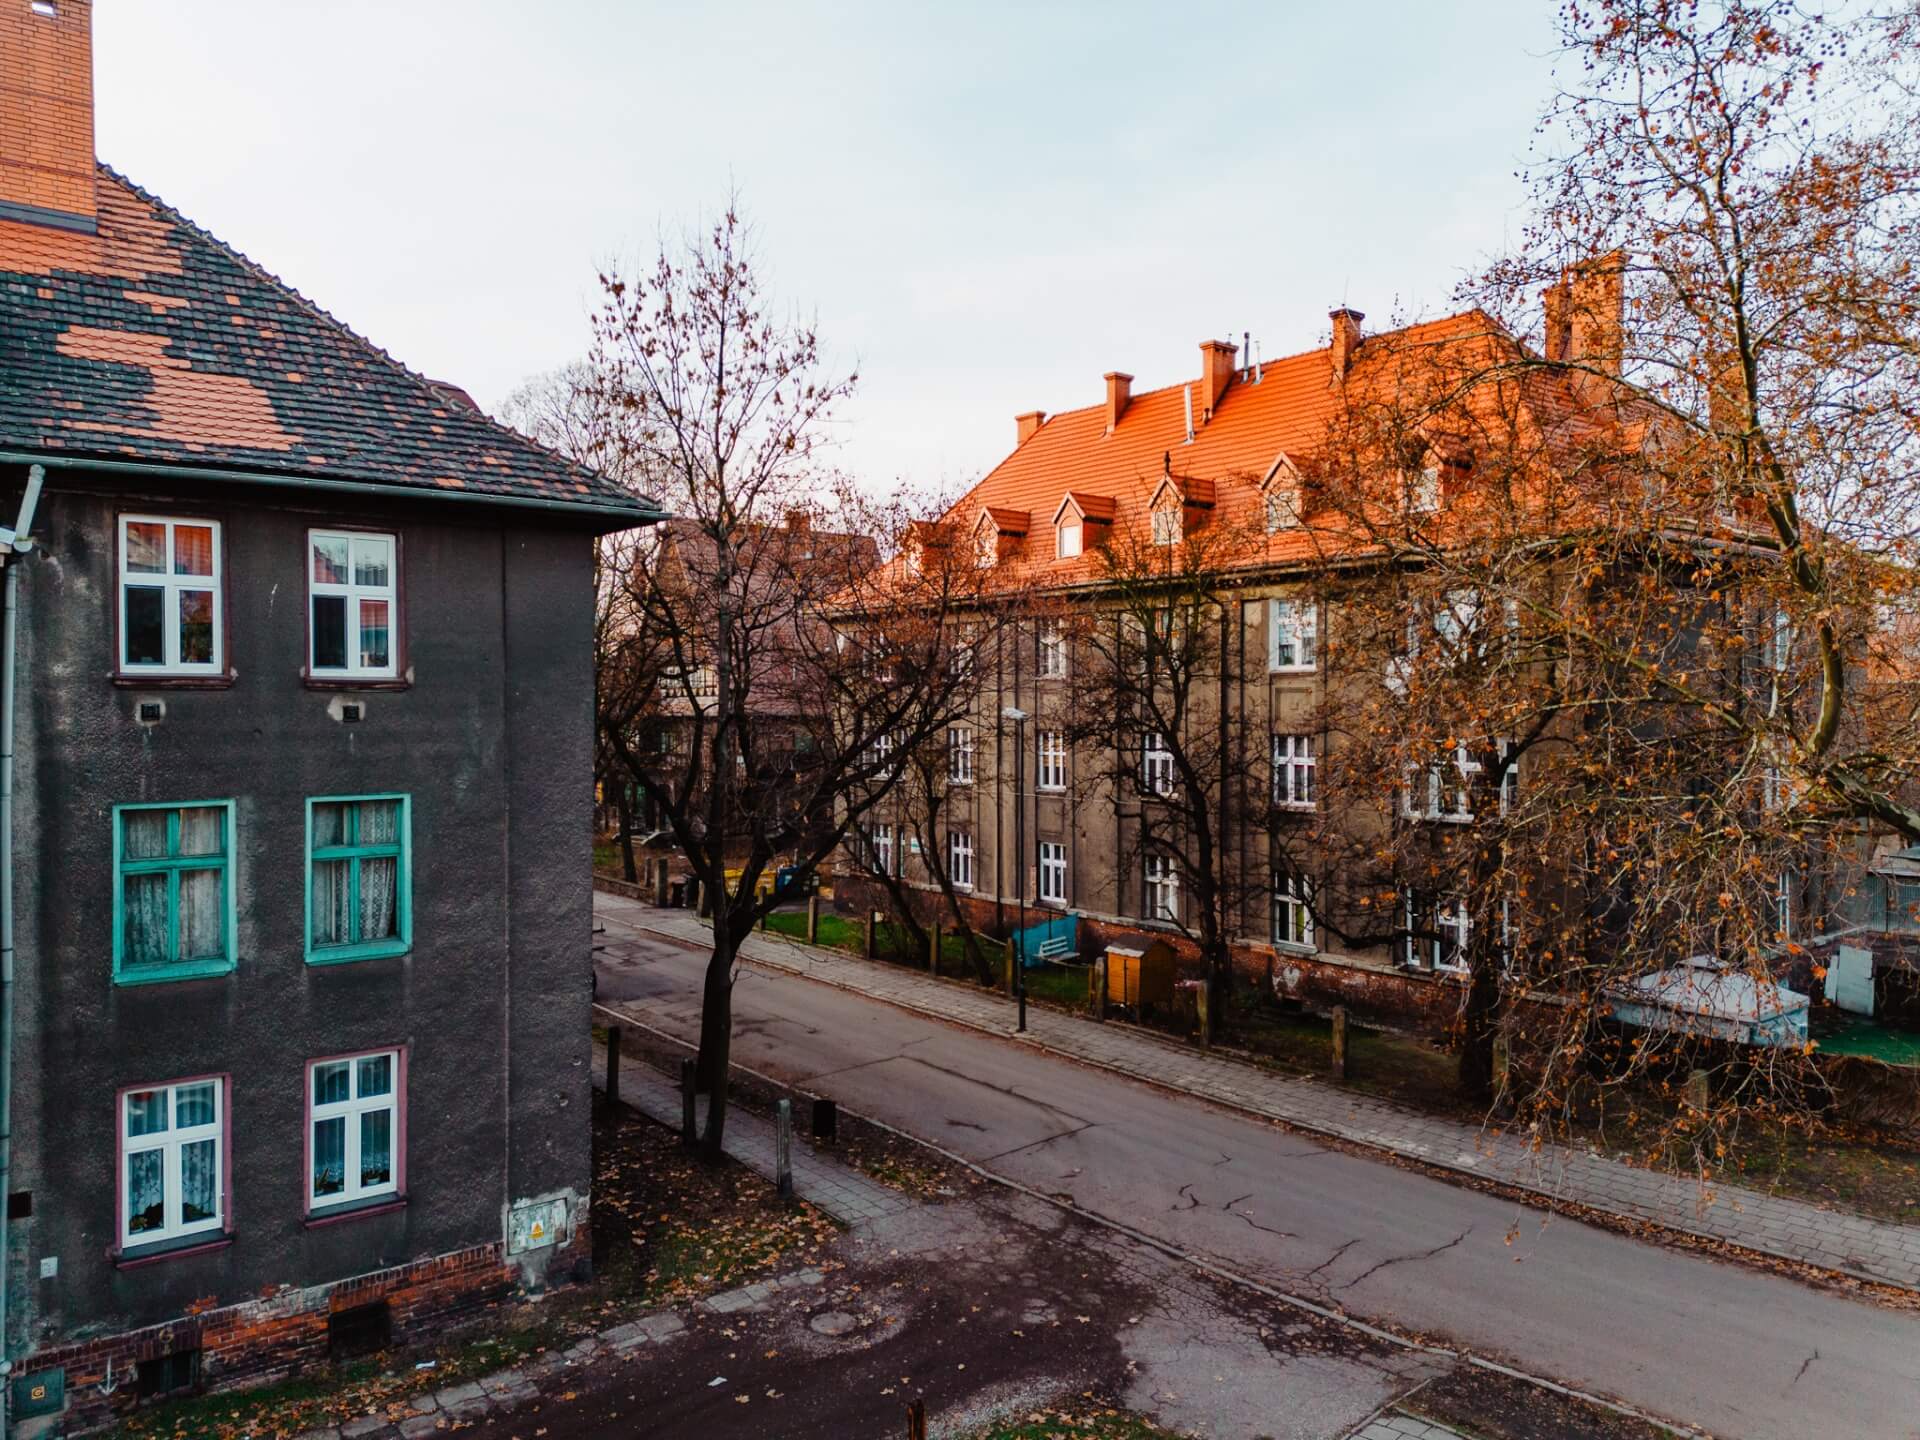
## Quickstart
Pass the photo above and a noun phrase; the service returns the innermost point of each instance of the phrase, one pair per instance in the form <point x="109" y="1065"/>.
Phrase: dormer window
<point x="986" y="546"/>
<point x="1066" y="538"/>
<point x="1282" y="497"/>
<point x="1076" y="511"/>
<point x="1166" y="525"/>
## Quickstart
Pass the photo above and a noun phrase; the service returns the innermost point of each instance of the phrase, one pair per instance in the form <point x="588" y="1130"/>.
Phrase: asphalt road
<point x="1721" y="1346"/>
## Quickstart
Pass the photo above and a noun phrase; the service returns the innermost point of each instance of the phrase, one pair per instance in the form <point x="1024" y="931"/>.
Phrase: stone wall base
<point x="279" y="1334"/>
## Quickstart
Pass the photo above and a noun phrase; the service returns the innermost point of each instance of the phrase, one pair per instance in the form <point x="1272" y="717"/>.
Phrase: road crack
<point x="1403" y="1259"/>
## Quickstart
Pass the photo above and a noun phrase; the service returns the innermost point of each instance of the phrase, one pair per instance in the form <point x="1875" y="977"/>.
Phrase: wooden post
<point x="783" y="1149"/>
<point x="1203" y="1012"/>
<point x="813" y="919"/>
<point x="660" y="871"/>
<point x="1339" y="1042"/>
<point x="917" y="1420"/>
<point x="866" y="940"/>
<point x="826" y="1118"/>
<point x="933" y="948"/>
<point x="613" y="1065"/>
<point x="1097" y="987"/>
<point x="689" y="1120"/>
<point x="1006" y="967"/>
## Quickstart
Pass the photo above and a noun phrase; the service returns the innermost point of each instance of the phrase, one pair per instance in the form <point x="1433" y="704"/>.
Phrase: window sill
<point x="1288" y="947"/>
<point x="355" y="682"/>
<point x="320" y="1218"/>
<point x="168" y="974"/>
<point x="347" y="954"/>
<point x="1294" y="807"/>
<point x="1293" y="669"/>
<point x="139" y="1257"/>
<point x="1049" y="789"/>
<point x="170" y="680"/>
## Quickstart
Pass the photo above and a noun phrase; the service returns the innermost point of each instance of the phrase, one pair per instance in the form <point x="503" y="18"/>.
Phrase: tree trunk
<point x="716" y="1029"/>
<point x="1479" y="1025"/>
<point x="628" y="870"/>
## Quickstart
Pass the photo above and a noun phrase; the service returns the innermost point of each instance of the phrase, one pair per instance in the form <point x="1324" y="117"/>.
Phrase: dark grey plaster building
<point x="301" y="686"/>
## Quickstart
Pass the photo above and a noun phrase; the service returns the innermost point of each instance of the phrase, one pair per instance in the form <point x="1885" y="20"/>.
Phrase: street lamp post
<point x="1019" y="718"/>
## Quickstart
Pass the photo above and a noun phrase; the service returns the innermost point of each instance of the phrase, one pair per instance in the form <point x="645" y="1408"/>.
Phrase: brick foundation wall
<point x="278" y="1335"/>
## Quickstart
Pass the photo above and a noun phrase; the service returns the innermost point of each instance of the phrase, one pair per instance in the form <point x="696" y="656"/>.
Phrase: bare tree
<point x="782" y="728"/>
<point x="1155" y="699"/>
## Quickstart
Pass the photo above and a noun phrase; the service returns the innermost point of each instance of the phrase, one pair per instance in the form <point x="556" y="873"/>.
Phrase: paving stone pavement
<point x="1789" y="1229"/>
<point x="837" y="1188"/>
<point x="1403" y="1427"/>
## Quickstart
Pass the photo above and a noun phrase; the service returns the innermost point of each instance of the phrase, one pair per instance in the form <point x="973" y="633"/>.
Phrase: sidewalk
<point x="837" y="1188"/>
<point x="1787" y="1229"/>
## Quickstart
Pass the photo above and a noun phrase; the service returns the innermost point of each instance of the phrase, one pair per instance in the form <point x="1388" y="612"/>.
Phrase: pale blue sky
<point x="985" y="206"/>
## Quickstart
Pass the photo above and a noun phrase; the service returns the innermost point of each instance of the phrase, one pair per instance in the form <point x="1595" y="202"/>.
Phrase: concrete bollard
<point x="660" y="882"/>
<point x="1097" y="988"/>
<point x="689" y="1117"/>
<point x="813" y="919"/>
<point x="783" y="1149"/>
<point x="1339" y="1042"/>
<point x="613" y="1065"/>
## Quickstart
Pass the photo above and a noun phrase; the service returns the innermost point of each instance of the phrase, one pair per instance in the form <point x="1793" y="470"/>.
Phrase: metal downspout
<point x="9" y="631"/>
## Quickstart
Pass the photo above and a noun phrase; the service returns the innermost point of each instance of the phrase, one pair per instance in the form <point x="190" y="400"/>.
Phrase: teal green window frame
<point x="401" y="851"/>
<point x="125" y="971"/>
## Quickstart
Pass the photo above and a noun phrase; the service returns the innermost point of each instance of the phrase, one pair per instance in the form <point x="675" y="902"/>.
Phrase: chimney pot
<point x="46" y="114"/>
<point x="1028" y="423"/>
<point x="1119" y="396"/>
<point x="1216" y="373"/>
<point x="1346" y="339"/>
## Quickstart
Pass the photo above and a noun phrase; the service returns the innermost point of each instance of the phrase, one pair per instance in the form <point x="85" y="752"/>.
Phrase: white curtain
<point x="331" y="896"/>
<point x="199" y="1181"/>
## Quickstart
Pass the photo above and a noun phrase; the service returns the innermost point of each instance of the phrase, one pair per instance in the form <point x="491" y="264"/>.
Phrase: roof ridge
<point x="327" y="317"/>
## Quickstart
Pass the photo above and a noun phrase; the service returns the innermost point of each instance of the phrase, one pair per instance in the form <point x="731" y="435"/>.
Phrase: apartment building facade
<point x="302" y="800"/>
<point x="1045" y="813"/>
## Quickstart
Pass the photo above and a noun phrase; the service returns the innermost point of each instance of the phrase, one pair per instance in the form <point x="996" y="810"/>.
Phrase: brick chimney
<point x="46" y="113"/>
<point x="1216" y="373"/>
<point x="1119" y="393"/>
<point x="1346" y="339"/>
<point x="1585" y="314"/>
<point x="1028" y="423"/>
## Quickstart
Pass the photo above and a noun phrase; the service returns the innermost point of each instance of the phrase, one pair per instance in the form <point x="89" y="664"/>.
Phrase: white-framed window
<point x="1053" y="651"/>
<point x="1282" y="507"/>
<point x="1067" y="538"/>
<point x="1506" y="935"/>
<point x="1779" y="641"/>
<point x="880" y="848"/>
<point x="1167" y="525"/>
<point x="1053" y="872"/>
<point x="986" y="545"/>
<point x="171" y="622"/>
<point x="960" y="754"/>
<point x="353" y="1139"/>
<point x="1293" y="772"/>
<point x="1783" y="905"/>
<point x="1160" y="890"/>
<point x="960" y="859"/>
<point x="1442" y="790"/>
<point x="960" y="660"/>
<point x="1459" y="619"/>
<point x="1052" y="771"/>
<point x="1293" y="634"/>
<point x="172" y="1170"/>
<point x="705" y="683"/>
<point x="353" y="604"/>
<point x="1292" y="910"/>
<point x="1156" y="764"/>
<point x="1424" y="489"/>
<point x="1437" y="928"/>
<point x="1509" y="778"/>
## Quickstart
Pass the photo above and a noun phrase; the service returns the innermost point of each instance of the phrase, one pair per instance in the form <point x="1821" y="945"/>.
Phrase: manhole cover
<point x="832" y="1322"/>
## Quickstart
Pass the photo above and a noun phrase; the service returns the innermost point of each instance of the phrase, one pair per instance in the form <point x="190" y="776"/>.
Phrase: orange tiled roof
<point x="1286" y="412"/>
<point x="152" y="341"/>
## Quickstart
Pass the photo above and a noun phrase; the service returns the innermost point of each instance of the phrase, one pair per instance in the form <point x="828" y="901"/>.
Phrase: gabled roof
<point x="153" y="342"/>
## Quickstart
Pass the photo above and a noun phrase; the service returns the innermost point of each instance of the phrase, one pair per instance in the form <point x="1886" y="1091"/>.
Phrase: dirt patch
<point x="1497" y="1407"/>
